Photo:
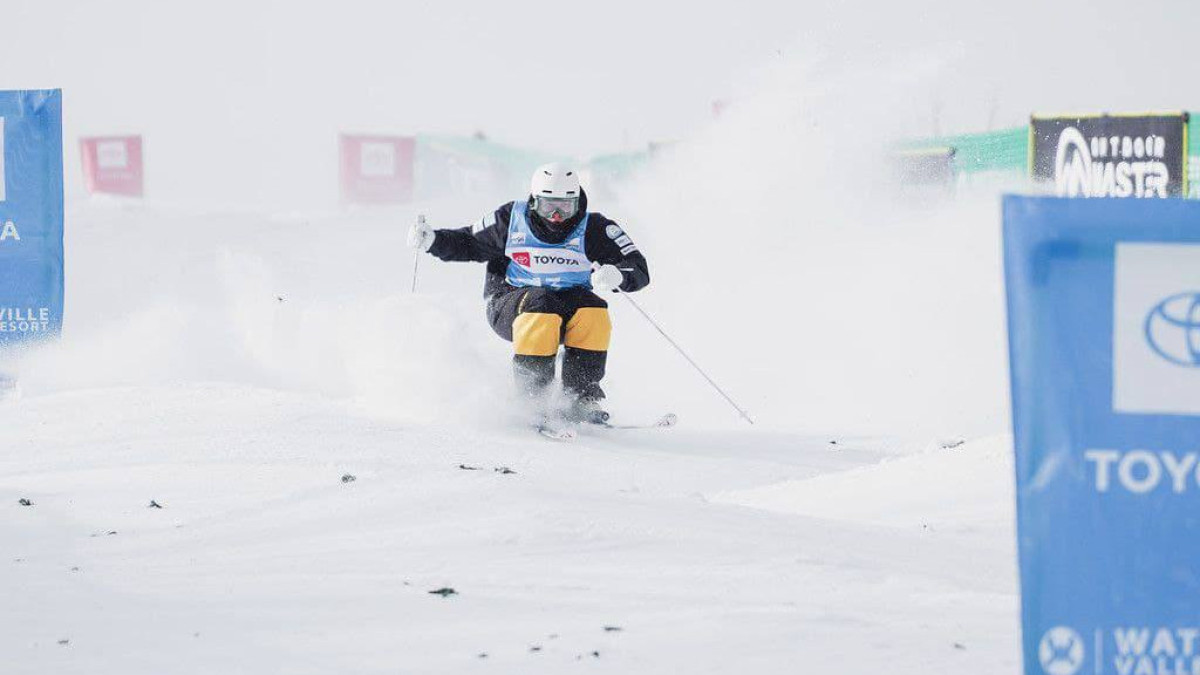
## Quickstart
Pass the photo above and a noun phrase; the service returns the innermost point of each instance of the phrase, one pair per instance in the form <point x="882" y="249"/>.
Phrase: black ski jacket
<point x="605" y="241"/>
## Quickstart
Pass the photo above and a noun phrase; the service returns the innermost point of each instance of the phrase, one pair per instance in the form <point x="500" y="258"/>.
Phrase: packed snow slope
<point x="235" y="368"/>
<point x="606" y="555"/>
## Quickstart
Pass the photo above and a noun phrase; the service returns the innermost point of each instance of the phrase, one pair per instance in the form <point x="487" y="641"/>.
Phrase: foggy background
<point x="240" y="101"/>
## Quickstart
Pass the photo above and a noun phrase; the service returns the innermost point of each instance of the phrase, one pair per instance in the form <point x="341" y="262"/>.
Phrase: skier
<point x="547" y="258"/>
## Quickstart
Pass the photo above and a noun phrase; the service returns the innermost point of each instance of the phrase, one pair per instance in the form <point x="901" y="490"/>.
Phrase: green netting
<point x="1193" y="136"/>
<point x="1193" y="190"/>
<point x="1003" y="150"/>
<point x="495" y="153"/>
<point x="472" y="165"/>
<point x="618" y="165"/>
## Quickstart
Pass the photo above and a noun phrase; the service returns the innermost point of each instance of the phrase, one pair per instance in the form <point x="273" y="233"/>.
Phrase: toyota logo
<point x="1173" y="329"/>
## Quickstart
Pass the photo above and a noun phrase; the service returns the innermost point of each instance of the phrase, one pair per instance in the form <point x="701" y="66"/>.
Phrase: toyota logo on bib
<point x="1173" y="329"/>
<point x="521" y="258"/>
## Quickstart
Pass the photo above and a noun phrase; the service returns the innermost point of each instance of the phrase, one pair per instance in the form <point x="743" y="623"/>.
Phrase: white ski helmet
<point x="555" y="180"/>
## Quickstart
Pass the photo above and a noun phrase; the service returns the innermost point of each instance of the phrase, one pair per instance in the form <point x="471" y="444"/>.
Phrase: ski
<point x="565" y="430"/>
<point x="560" y="434"/>
<point x="665" y="422"/>
<point x="556" y="430"/>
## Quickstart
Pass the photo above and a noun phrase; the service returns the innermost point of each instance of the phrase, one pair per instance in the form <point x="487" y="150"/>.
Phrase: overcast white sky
<point x="573" y="77"/>
<point x="562" y="76"/>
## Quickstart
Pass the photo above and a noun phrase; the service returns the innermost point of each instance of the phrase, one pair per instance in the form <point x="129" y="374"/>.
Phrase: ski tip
<point x="557" y="434"/>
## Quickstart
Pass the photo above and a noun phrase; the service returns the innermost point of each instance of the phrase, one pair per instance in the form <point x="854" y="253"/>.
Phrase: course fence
<point x="1009" y="153"/>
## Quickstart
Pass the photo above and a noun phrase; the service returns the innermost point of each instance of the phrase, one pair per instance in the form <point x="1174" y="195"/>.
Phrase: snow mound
<point x="966" y="488"/>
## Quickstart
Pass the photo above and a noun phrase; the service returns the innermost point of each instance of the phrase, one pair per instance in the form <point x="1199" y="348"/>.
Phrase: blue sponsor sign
<point x="31" y="215"/>
<point x="1104" y="333"/>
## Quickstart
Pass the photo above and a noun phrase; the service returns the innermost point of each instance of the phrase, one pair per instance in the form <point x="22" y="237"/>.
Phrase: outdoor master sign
<point x="1104" y="333"/>
<point x="31" y="215"/>
<point x="1111" y="155"/>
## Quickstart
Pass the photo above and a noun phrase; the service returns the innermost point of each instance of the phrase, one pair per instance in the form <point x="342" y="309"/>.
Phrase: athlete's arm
<point x="482" y="242"/>
<point x="608" y="244"/>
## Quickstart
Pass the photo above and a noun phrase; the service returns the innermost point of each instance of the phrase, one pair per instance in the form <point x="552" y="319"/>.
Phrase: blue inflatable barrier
<point x="1104" y="333"/>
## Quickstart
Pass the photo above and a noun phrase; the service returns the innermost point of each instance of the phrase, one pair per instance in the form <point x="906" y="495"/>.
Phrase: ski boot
<point x="587" y="410"/>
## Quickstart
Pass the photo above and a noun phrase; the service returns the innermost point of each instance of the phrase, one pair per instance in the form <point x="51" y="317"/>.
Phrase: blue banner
<point x="1104" y="334"/>
<point x="31" y="215"/>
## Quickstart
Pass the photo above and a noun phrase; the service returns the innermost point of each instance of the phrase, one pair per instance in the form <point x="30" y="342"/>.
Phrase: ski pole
<point x="743" y="413"/>
<point x="417" y="256"/>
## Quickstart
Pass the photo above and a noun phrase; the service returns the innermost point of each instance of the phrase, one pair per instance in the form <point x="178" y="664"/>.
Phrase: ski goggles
<point x="564" y="206"/>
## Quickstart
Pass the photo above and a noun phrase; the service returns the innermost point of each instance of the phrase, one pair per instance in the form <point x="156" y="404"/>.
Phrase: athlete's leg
<point x="587" y="335"/>
<point x="531" y="318"/>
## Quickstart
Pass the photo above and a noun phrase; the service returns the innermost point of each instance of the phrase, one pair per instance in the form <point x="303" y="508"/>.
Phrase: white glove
<point x="606" y="278"/>
<point x="420" y="235"/>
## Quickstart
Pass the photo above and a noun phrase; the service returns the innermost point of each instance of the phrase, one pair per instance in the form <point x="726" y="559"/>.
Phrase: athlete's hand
<point x="420" y="235"/>
<point x="606" y="278"/>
